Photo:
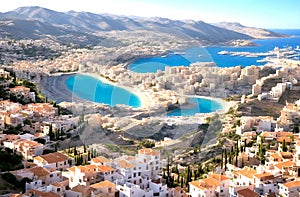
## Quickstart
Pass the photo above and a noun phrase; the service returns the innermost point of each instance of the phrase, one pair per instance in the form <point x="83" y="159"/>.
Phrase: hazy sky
<point x="258" y="13"/>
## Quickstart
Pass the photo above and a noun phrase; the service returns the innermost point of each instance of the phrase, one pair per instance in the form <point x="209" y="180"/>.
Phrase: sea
<point x="210" y="54"/>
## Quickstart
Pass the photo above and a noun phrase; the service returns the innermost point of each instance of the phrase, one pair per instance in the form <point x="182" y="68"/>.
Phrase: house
<point x="42" y="109"/>
<point x="127" y="189"/>
<point x="100" y="161"/>
<point x="14" y="119"/>
<point x="264" y="183"/>
<point x="29" y="149"/>
<point x="90" y="174"/>
<point x="104" y="189"/>
<point x="54" y="160"/>
<point x="290" y="189"/>
<point x="152" y="158"/>
<point x="287" y="168"/>
<point x="177" y="192"/>
<point x="244" y="177"/>
<point x="22" y="92"/>
<point x="40" y="176"/>
<point x="60" y="187"/>
<point x="37" y="193"/>
<point x="215" y="185"/>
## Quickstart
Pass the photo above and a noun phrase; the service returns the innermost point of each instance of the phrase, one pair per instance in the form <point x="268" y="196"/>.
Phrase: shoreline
<point x="59" y="92"/>
<point x="224" y="105"/>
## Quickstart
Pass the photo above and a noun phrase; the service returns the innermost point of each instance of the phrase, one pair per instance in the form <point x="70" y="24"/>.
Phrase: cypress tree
<point x="222" y="157"/>
<point x="225" y="167"/>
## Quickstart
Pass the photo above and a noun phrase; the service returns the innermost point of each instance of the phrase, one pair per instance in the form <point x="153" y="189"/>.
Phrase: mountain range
<point x="82" y="27"/>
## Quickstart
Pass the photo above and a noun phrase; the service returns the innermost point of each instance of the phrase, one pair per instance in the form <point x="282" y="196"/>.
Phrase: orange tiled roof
<point x="268" y="134"/>
<point x="125" y="164"/>
<point x="219" y="177"/>
<point x="264" y="176"/>
<point x="38" y="193"/>
<point x="276" y="156"/>
<point x="39" y="171"/>
<point x="60" y="184"/>
<point x="87" y="168"/>
<point x="206" y="183"/>
<point x="81" y="189"/>
<point x="247" y="193"/>
<point x="292" y="184"/>
<point x="52" y="157"/>
<point x="148" y="151"/>
<point x="105" y="168"/>
<point x="100" y="159"/>
<point x="287" y="139"/>
<point x="285" y="164"/>
<point x="283" y="134"/>
<point x="247" y="172"/>
<point x="106" y="184"/>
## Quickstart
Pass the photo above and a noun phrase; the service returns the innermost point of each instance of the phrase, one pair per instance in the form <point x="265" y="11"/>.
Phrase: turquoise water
<point x="210" y="54"/>
<point x="200" y="105"/>
<point x="92" y="89"/>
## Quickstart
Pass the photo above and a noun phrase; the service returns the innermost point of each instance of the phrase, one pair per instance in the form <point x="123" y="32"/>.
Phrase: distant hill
<point x="250" y="31"/>
<point x="81" y="27"/>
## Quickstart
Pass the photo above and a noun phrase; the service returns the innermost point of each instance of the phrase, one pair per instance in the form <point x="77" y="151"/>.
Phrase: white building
<point x="215" y="185"/>
<point x="54" y="160"/>
<point x="290" y="189"/>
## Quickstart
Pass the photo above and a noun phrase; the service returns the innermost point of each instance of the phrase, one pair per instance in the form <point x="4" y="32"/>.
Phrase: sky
<point x="276" y="14"/>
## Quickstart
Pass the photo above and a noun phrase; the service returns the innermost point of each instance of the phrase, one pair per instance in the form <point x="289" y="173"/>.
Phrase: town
<point x="259" y="155"/>
<point x="216" y="115"/>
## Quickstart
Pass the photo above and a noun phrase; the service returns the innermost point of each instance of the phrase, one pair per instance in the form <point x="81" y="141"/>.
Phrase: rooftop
<point x="102" y="184"/>
<point x="247" y="193"/>
<point x="148" y="151"/>
<point x="52" y="157"/>
<point x="247" y="172"/>
<point x="100" y="159"/>
<point x="292" y="184"/>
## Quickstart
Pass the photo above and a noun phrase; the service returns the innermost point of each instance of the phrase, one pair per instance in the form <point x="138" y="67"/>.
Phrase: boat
<point x="223" y="53"/>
